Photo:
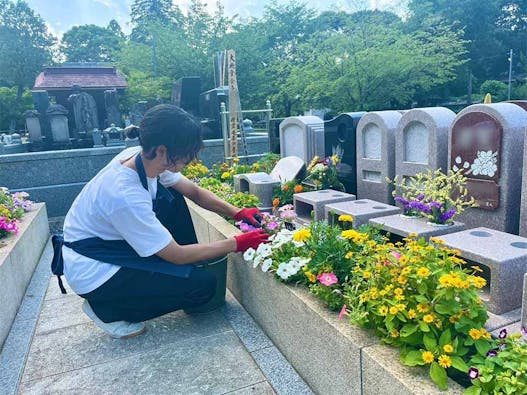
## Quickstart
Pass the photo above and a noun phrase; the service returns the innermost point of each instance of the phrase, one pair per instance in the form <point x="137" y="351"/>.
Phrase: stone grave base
<point x="332" y="356"/>
<point x="19" y="255"/>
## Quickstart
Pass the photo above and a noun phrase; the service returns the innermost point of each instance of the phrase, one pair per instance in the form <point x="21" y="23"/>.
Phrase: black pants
<point x="137" y="295"/>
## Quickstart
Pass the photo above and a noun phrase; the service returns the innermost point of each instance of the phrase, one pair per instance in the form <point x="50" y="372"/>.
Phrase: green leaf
<point x="424" y="326"/>
<point x="472" y="391"/>
<point x="422" y="288"/>
<point x="438" y="375"/>
<point x="445" y="338"/>
<point x="408" y="329"/>
<point x="459" y="364"/>
<point x="429" y="342"/>
<point x="443" y="308"/>
<point x="413" y="358"/>
<point x="483" y="346"/>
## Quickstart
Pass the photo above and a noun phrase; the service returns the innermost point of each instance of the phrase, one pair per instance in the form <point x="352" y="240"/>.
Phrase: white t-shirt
<point x="113" y="206"/>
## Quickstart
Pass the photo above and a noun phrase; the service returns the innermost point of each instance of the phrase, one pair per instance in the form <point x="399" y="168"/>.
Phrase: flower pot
<point x="218" y="267"/>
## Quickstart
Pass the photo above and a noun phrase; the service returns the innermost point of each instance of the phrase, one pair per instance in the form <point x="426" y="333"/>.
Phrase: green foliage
<point x="497" y="89"/>
<point x="11" y="109"/>
<point x="91" y="43"/>
<point x="25" y="44"/>
<point x="143" y="86"/>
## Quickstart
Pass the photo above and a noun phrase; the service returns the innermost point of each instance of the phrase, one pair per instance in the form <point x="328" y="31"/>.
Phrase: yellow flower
<point x="423" y="272"/>
<point x="366" y="275"/>
<point x="454" y="318"/>
<point x="349" y="255"/>
<point x="427" y="356"/>
<point x="436" y="240"/>
<point x="256" y="166"/>
<point x="422" y="308"/>
<point x="438" y="324"/>
<point x="383" y="310"/>
<point x="445" y="361"/>
<point x="400" y="297"/>
<point x="479" y="282"/>
<point x="395" y="333"/>
<point x="345" y="218"/>
<point x="403" y="260"/>
<point x="225" y="175"/>
<point x="383" y="292"/>
<point x="484" y="334"/>
<point x="302" y="235"/>
<point x="474" y="333"/>
<point x="401" y="307"/>
<point x="429" y="318"/>
<point x="398" y="291"/>
<point x="394" y="310"/>
<point x="310" y="276"/>
<point x="413" y="234"/>
<point x="402" y="280"/>
<point x="476" y="269"/>
<point x="406" y="271"/>
<point x="448" y="348"/>
<point x="411" y="314"/>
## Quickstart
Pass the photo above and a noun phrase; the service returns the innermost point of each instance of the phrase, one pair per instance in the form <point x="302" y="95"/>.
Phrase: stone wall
<point x="56" y="177"/>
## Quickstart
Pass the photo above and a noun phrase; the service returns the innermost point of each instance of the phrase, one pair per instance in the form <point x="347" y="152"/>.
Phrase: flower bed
<point x="19" y="255"/>
<point x="331" y="355"/>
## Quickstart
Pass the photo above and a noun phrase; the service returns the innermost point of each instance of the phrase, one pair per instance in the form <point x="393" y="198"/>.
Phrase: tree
<point x="90" y="43"/>
<point x="146" y="12"/>
<point x="25" y="45"/>
<point x="11" y="109"/>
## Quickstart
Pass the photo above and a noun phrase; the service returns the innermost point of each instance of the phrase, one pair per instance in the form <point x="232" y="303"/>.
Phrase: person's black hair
<point x="168" y="125"/>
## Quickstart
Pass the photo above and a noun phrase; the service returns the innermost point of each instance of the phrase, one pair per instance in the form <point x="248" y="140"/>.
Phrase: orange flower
<point x="285" y="188"/>
<point x="298" y="188"/>
<point x="276" y="202"/>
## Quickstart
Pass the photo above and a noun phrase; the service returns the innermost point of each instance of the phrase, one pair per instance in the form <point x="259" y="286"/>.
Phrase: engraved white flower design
<point x="458" y="161"/>
<point x="485" y="164"/>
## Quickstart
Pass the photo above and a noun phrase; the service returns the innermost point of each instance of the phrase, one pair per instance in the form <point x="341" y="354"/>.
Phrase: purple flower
<point x="473" y="373"/>
<point x="503" y="334"/>
<point x="433" y="204"/>
<point x="503" y="346"/>
<point x="492" y="353"/>
<point x="403" y="201"/>
<point x="245" y="227"/>
<point x="523" y="331"/>
<point x="447" y="215"/>
<point x="420" y="197"/>
<point x="272" y="225"/>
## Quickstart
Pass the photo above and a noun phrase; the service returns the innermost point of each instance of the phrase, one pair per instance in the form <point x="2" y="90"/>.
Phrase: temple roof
<point x="87" y="77"/>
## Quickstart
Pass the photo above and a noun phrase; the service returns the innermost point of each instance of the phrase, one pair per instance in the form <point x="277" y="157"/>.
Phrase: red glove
<point x="250" y="240"/>
<point x="251" y="216"/>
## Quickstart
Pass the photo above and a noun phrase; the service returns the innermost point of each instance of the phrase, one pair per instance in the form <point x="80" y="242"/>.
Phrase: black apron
<point x="119" y="252"/>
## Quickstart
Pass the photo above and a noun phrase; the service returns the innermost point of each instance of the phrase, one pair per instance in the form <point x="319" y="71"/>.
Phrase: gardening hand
<point x="250" y="240"/>
<point x="251" y="216"/>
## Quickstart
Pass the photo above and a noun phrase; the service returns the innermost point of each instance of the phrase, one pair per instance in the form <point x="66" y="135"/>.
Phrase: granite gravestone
<point x="310" y="206"/>
<point x="340" y="135"/>
<point x="486" y="140"/>
<point x="41" y="103"/>
<point x="422" y="141"/>
<point x="361" y="210"/>
<point x="524" y="302"/>
<point x="302" y="137"/>
<point x="111" y="104"/>
<point x="33" y="126"/>
<point x="274" y="135"/>
<point x="376" y="155"/>
<point x="84" y="112"/>
<point x="137" y="112"/>
<point x="59" y="123"/>
<point x="503" y="259"/>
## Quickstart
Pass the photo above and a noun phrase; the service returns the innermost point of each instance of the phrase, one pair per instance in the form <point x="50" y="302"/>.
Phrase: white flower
<point x="267" y="264"/>
<point x="257" y="260"/>
<point x="295" y="265"/>
<point x="284" y="270"/>
<point x="298" y="243"/>
<point x="485" y="164"/>
<point x="248" y="255"/>
<point x="264" y="250"/>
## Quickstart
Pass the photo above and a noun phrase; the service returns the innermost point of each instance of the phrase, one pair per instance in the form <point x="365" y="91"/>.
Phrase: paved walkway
<point x="53" y="348"/>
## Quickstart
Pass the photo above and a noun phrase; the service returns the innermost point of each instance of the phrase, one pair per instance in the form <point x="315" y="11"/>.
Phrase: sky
<point x="61" y="15"/>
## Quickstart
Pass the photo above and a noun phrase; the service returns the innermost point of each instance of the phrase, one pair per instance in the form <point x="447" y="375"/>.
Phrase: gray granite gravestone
<point x="405" y="226"/>
<point x="523" y="206"/>
<point x="111" y="104"/>
<point x="59" y="123"/>
<point x="41" y="102"/>
<point x="310" y="205"/>
<point x="302" y="137"/>
<point x="487" y="141"/>
<point x="262" y="184"/>
<point x="422" y="141"/>
<point x="503" y="258"/>
<point x="376" y="155"/>
<point x="361" y="210"/>
<point x="33" y="125"/>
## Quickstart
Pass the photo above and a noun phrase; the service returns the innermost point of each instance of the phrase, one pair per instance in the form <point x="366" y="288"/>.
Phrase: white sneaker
<point x="117" y="329"/>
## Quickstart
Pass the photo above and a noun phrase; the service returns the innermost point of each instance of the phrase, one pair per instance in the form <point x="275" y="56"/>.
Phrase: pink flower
<point x="342" y="312"/>
<point x="272" y="225"/>
<point x="396" y="254"/>
<point x="327" y="278"/>
<point x="245" y="227"/>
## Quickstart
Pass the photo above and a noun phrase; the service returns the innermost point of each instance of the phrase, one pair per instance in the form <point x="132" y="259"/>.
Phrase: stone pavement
<point x="53" y="348"/>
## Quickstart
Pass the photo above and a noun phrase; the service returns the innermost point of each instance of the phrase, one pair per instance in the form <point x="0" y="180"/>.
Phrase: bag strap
<point x="57" y="263"/>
